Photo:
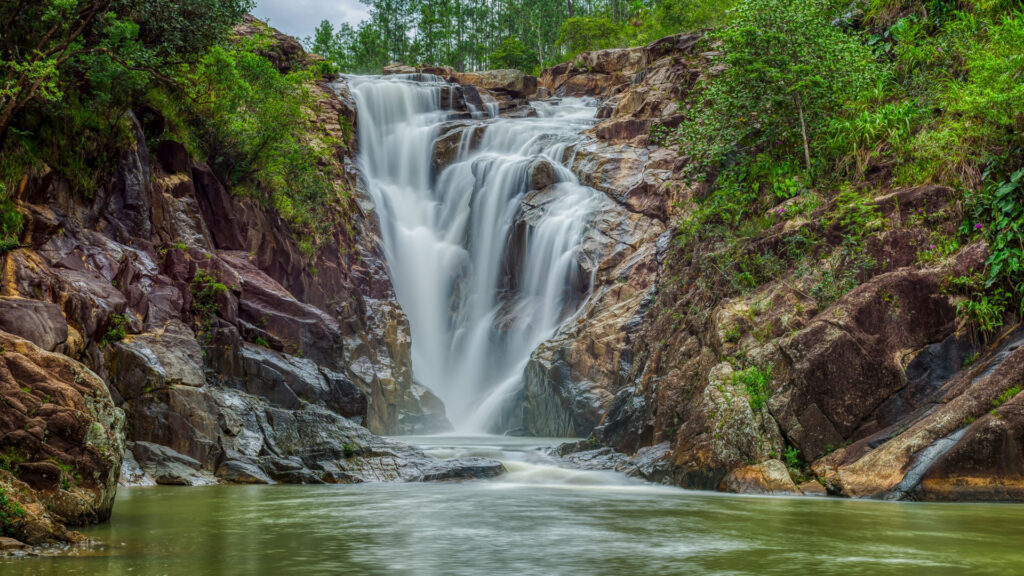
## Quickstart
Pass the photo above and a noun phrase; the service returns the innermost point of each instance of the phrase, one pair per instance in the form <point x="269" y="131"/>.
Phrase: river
<point x="536" y="519"/>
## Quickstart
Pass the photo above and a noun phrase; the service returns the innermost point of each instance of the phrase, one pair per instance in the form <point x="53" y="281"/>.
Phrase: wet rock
<point x="132" y="474"/>
<point x="511" y="82"/>
<point x="239" y="472"/>
<point x="769" y="477"/>
<point x="542" y="175"/>
<point x="145" y="363"/>
<point x="10" y="544"/>
<point x="166" y="466"/>
<point x="40" y="322"/>
<point x="66" y="437"/>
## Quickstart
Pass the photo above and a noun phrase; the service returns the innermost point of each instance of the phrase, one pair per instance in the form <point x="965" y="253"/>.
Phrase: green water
<point x="537" y="519"/>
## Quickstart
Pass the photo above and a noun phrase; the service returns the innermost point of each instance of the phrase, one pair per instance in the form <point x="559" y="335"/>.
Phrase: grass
<point x="1005" y="396"/>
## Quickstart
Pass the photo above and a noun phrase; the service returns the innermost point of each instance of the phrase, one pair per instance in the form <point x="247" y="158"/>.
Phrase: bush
<point x="10" y="511"/>
<point x="787" y="72"/>
<point x="514" y="54"/>
<point x="11" y="222"/>
<point x="206" y="289"/>
<point x="247" y="120"/>
<point x="756" y="381"/>
<point x="117" y="328"/>
<point x="583" y="34"/>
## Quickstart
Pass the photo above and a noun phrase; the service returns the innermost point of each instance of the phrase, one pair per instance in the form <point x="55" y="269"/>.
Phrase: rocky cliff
<point x="715" y="380"/>
<point x="162" y="312"/>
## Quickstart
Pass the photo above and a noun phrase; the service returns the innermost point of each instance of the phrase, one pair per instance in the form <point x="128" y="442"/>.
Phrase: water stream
<point x="536" y="519"/>
<point x="480" y="294"/>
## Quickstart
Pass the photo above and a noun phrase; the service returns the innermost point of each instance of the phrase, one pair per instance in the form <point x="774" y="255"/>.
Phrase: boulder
<point x="769" y="477"/>
<point x="63" y="439"/>
<point x="166" y="466"/>
<point x="42" y="323"/>
<point x="513" y="83"/>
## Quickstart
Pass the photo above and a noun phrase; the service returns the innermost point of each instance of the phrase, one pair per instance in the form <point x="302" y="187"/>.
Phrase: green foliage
<point x="117" y="328"/>
<point x="261" y="341"/>
<point x="1005" y="233"/>
<point x="10" y="512"/>
<point x="10" y="458"/>
<point x="472" y="34"/>
<point x="984" y="312"/>
<point x="11" y="222"/>
<point x="349" y="450"/>
<point x="757" y="383"/>
<point x="788" y="71"/>
<point x="99" y="50"/>
<point x="514" y="54"/>
<point x="1005" y="396"/>
<point x="206" y="289"/>
<point x="242" y="114"/>
<point x="863" y="132"/>
<point x="792" y="457"/>
<point x="583" y="34"/>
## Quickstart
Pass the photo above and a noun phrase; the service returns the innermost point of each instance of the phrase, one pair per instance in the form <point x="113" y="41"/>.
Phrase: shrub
<point x="117" y="328"/>
<point x="10" y="511"/>
<point x="583" y="34"/>
<point x="756" y="381"/>
<point x="11" y="222"/>
<point x="514" y="54"/>
<point x="787" y="71"/>
<point x="792" y="457"/>
<point x="206" y="289"/>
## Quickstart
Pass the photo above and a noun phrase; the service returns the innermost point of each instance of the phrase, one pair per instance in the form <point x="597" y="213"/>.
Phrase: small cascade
<point x="482" y="285"/>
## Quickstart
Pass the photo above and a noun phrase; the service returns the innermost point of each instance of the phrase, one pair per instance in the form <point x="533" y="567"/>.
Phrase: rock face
<point x="62" y="443"/>
<point x="868" y="396"/>
<point x="229" y="352"/>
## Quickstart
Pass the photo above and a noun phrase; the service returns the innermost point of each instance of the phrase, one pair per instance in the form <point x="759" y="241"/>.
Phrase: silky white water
<point x="480" y="294"/>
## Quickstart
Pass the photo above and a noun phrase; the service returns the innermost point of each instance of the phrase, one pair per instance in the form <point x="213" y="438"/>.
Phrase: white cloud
<point x="300" y="18"/>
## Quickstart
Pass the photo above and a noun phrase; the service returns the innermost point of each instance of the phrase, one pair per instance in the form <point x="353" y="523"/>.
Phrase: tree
<point x="786" y="71"/>
<point x="514" y="54"/>
<point x="582" y="34"/>
<point x="42" y="39"/>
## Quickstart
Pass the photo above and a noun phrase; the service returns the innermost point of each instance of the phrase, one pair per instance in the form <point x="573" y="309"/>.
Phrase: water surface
<point x="535" y="520"/>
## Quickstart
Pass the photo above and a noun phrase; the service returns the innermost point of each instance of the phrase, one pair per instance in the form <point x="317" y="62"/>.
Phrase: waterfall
<point x="482" y="285"/>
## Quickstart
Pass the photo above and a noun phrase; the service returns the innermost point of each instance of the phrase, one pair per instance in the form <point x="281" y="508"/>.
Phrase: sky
<point x="300" y="17"/>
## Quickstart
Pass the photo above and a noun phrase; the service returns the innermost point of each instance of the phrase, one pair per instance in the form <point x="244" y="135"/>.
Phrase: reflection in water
<point x="535" y="520"/>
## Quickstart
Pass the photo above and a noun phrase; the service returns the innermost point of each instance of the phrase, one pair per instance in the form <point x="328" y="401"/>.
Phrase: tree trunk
<point x="568" y="4"/>
<point x="803" y="131"/>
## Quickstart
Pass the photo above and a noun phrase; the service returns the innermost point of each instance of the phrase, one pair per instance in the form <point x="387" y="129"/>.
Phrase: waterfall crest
<point x="482" y="285"/>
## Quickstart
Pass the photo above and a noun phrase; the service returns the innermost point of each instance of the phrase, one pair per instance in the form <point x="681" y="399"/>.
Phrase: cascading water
<point x="480" y="291"/>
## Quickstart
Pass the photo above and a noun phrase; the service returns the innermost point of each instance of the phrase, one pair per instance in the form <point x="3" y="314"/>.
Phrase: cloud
<point x="300" y="18"/>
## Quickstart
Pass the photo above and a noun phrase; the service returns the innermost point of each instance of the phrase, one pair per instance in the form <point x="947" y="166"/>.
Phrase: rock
<point x="144" y="363"/>
<point x="166" y="466"/>
<point x="396" y="68"/>
<point x="542" y="175"/>
<point x="238" y="472"/>
<point x="132" y="474"/>
<point x="60" y="426"/>
<point x="10" y="544"/>
<point x="40" y="322"/>
<point x="511" y="82"/>
<point x="769" y="477"/>
<point x="570" y="380"/>
<point x="173" y="156"/>
<point x="812" y="488"/>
